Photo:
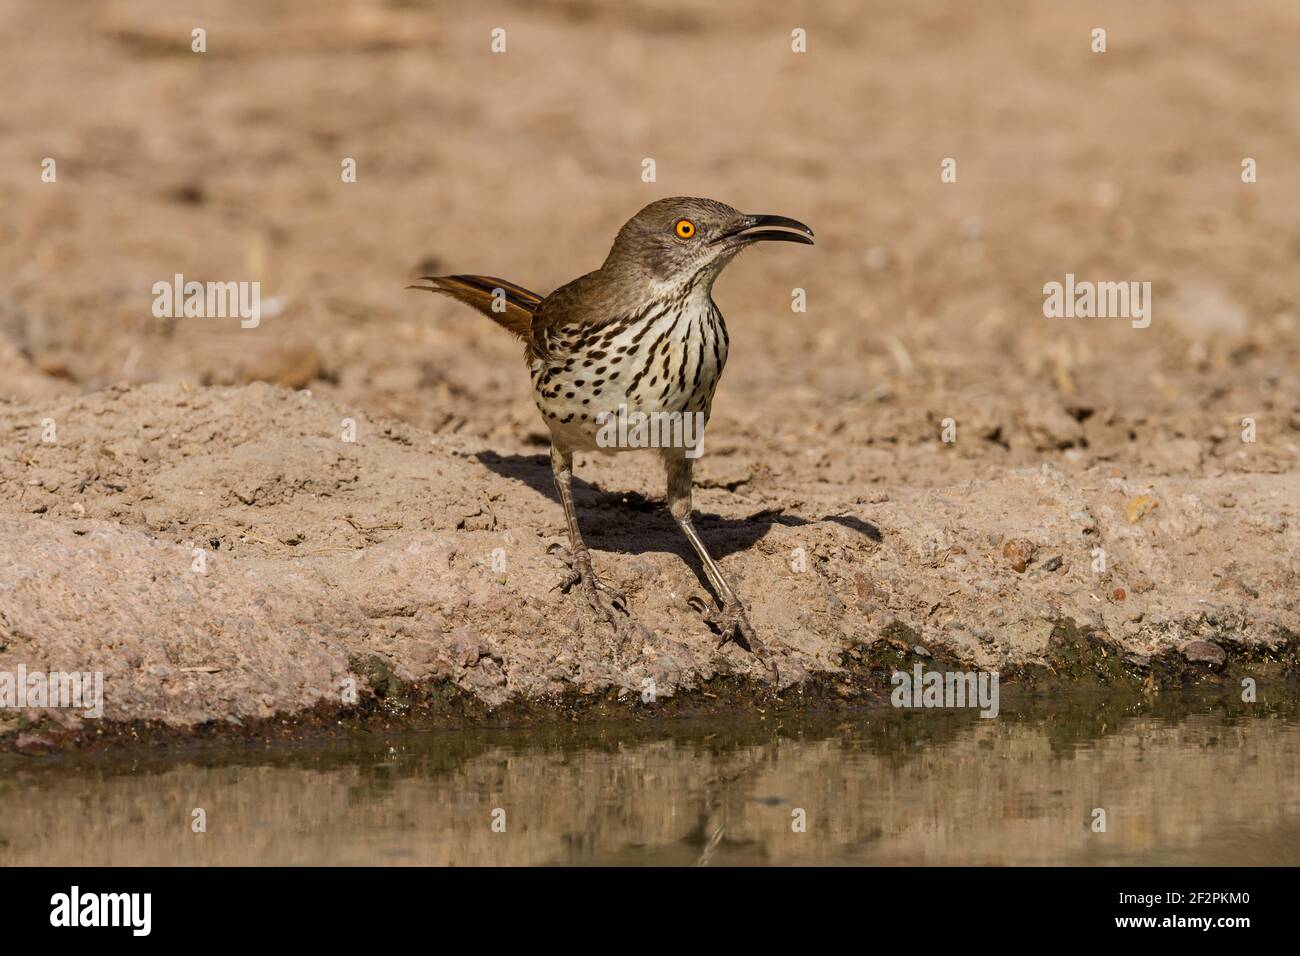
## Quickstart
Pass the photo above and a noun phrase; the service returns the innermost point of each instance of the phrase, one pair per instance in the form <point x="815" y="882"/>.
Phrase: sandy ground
<point x="825" y="451"/>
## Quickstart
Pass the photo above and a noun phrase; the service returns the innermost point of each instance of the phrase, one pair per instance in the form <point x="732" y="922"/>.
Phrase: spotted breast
<point x="665" y="357"/>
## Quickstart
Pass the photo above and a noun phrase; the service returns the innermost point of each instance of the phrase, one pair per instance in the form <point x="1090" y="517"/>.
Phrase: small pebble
<point x="1018" y="552"/>
<point x="1204" y="652"/>
<point x="1137" y="507"/>
<point x="1273" y="521"/>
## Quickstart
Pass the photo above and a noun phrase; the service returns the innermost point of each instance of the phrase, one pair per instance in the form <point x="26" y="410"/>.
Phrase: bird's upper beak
<point x="777" y="228"/>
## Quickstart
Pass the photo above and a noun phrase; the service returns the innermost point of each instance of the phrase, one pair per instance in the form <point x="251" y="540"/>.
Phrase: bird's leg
<point x="581" y="572"/>
<point x="732" y="622"/>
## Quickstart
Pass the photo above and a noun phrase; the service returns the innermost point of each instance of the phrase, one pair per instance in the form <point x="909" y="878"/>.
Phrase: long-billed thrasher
<point x="642" y="335"/>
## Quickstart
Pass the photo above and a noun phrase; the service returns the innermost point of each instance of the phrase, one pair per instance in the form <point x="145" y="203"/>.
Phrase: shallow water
<point x="1184" y="781"/>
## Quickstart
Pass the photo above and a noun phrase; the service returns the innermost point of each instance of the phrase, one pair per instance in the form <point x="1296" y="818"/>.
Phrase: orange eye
<point x="685" y="229"/>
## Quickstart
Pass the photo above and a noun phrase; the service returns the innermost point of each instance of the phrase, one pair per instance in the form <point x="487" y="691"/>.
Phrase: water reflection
<point x="1181" y="782"/>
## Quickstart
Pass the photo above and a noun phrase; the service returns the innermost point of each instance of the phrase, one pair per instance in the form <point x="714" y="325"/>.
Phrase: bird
<point x="640" y="340"/>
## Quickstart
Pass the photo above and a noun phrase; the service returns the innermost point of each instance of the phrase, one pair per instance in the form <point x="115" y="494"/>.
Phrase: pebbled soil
<point x="861" y="539"/>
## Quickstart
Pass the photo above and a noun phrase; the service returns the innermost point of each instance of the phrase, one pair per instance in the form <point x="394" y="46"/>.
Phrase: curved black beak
<point x="776" y="228"/>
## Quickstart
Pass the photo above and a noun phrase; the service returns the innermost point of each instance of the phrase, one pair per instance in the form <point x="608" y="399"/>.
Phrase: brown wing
<point x="508" y="305"/>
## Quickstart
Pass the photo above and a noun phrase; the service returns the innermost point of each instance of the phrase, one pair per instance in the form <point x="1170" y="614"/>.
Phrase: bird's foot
<point x="581" y="574"/>
<point x="732" y="624"/>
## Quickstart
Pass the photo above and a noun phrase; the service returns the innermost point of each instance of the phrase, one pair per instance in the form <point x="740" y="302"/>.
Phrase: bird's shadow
<point x="603" y="516"/>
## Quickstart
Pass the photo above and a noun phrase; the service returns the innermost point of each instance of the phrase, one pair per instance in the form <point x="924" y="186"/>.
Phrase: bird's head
<point x="676" y="239"/>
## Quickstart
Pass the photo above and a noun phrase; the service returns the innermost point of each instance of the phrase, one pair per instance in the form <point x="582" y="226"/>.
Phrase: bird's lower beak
<point x="776" y="228"/>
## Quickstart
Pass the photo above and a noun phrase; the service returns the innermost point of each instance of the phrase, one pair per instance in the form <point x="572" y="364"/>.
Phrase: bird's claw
<point x="732" y="624"/>
<point x="581" y="574"/>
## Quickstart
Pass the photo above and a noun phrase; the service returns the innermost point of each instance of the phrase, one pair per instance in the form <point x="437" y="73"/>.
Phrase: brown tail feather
<point x="508" y="305"/>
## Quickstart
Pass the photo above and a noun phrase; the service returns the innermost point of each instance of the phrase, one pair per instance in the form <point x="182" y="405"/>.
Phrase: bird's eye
<point x="685" y="229"/>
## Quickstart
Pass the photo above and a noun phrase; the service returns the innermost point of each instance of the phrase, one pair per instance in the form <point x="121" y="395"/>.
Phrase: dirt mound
<point x="223" y="554"/>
